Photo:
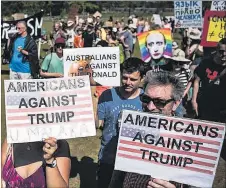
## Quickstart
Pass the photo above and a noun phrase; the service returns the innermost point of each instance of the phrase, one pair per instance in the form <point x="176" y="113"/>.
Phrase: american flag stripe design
<point x="77" y="120"/>
<point x="202" y="162"/>
<point x="82" y="108"/>
<point x="186" y="168"/>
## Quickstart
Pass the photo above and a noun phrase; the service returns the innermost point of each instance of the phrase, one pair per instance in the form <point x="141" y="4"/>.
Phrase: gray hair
<point x="22" y="22"/>
<point x="165" y="78"/>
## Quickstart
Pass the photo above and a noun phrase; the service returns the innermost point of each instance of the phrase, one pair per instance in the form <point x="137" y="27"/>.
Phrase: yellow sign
<point x="217" y="29"/>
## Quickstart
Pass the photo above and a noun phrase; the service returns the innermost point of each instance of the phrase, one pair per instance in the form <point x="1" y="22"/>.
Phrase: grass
<point x="84" y="151"/>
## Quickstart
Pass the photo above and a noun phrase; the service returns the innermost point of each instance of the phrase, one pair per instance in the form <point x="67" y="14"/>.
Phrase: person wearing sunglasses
<point x="162" y="94"/>
<point x="111" y="103"/>
<point x="23" y="54"/>
<point x="52" y="66"/>
<point x="209" y="100"/>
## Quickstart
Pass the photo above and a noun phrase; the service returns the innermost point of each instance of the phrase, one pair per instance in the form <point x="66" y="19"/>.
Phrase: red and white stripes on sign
<point x="82" y="108"/>
<point x="204" y="161"/>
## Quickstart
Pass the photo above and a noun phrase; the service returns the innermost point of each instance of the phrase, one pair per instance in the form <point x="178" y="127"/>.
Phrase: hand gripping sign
<point x="182" y="150"/>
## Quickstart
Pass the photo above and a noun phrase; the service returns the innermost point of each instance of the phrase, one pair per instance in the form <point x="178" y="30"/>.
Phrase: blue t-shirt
<point x="109" y="107"/>
<point x="16" y="63"/>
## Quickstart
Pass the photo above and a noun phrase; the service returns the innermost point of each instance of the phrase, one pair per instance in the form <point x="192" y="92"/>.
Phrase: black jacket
<point x="32" y="57"/>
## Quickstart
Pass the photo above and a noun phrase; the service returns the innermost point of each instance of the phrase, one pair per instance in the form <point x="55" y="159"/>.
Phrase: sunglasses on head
<point x="160" y="103"/>
<point x="60" y="45"/>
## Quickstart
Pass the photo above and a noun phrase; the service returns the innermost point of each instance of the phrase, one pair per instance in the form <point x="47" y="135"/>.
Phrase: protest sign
<point x="36" y="109"/>
<point x="218" y="5"/>
<point x="182" y="150"/>
<point x="160" y="35"/>
<point x="157" y="19"/>
<point x="34" y="26"/>
<point x="214" y="28"/>
<point x="188" y="14"/>
<point x="102" y="64"/>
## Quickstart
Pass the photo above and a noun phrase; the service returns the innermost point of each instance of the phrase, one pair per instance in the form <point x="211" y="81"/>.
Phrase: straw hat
<point x="194" y="34"/>
<point x="180" y="56"/>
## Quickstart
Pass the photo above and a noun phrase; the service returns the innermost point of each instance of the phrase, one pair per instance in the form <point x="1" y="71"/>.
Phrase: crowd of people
<point x="188" y="84"/>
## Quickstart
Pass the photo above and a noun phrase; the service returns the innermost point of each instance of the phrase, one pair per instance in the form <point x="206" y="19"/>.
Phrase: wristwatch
<point x="53" y="164"/>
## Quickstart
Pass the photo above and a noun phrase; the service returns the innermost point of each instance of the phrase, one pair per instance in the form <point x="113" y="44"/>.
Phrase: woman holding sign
<point x="36" y="164"/>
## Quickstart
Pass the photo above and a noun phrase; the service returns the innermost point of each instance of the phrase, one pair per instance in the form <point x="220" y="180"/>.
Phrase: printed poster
<point x="214" y="28"/>
<point x="188" y="14"/>
<point x="102" y="64"/>
<point x="40" y="108"/>
<point x="169" y="148"/>
<point x="155" y="44"/>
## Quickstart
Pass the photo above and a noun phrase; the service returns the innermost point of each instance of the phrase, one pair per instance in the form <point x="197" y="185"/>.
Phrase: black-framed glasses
<point x="159" y="103"/>
<point x="60" y="45"/>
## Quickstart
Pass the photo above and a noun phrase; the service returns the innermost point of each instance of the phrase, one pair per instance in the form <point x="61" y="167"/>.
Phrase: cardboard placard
<point x="218" y="5"/>
<point x="36" y="109"/>
<point x="188" y="14"/>
<point x="102" y="64"/>
<point x="169" y="148"/>
<point x="214" y="28"/>
<point x="167" y="39"/>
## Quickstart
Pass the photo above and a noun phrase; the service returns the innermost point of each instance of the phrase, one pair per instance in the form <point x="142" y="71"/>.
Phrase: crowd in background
<point x="197" y="74"/>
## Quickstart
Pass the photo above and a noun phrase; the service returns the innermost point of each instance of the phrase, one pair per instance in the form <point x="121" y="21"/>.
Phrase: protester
<point x="209" y="100"/>
<point x="127" y="42"/>
<point x="56" y="33"/>
<point x="193" y="49"/>
<point x="89" y="36"/>
<point x="111" y="103"/>
<point x="23" y="55"/>
<point x="162" y="94"/>
<point x="36" y="164"/>
<point x="78" y="40"/>
<point x="70" y="33"/>
<point x="140" y="25"/>
<point x="52" y="66"/>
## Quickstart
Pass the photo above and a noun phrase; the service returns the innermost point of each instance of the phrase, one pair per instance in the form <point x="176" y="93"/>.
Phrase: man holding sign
<point x="162" y="95"/>
<point x="110" y="105"/>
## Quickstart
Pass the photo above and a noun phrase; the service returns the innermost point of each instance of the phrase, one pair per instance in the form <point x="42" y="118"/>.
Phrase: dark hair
<point x="133" y="64"/>
<point x="222" y="41"/>
<point x="102" y="43"/>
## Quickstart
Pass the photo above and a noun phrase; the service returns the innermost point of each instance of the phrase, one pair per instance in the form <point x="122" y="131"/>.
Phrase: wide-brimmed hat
<point x="194" y="34"/>
<point x="174" y="45"/>
<point x="70" y="23"/>
<point x="179" y="55"/>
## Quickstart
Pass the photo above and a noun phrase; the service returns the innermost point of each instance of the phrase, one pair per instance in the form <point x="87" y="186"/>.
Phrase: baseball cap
<point x="60" y="41"/>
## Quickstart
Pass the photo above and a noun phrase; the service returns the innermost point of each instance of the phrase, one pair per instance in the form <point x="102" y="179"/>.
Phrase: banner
<point x="218" y="5"/>
<point x="40" y="108"/>
<point x="34" y="26"/>
<point x="214" y="28"/>
<point x="169" y="148"/>
<point x="155" y="51"/>
<point x="188" y="14"/>
<point x="102" y="64"/>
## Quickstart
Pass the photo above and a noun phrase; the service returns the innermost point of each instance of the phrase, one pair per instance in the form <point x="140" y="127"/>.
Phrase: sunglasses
<point x="60" y="45"/>
<point x="18" y="28"/>
<point x="159" y="103"/>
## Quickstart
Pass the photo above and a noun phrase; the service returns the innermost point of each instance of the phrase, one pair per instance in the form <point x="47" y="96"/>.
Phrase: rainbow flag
<point x="142" y="37"/>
